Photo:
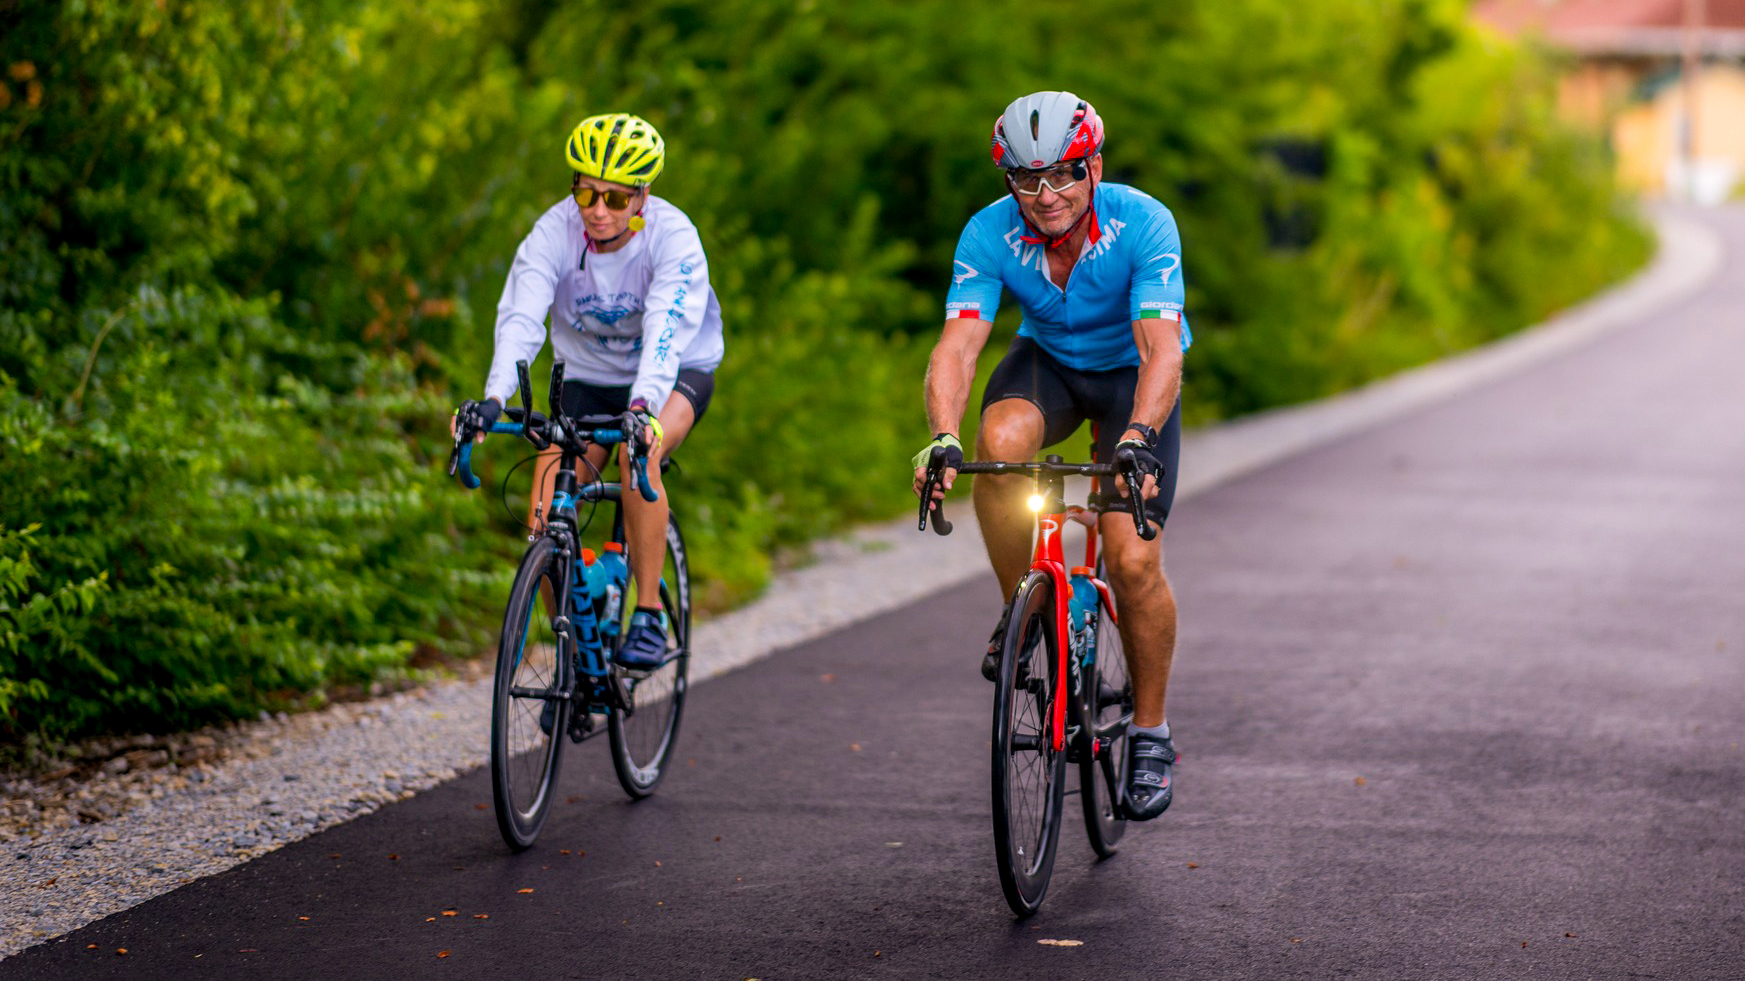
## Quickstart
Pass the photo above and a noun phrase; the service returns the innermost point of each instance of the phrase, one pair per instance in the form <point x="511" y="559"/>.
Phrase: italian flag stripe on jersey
<point x="1169" y="315"/>
<point x="967" y="313"/>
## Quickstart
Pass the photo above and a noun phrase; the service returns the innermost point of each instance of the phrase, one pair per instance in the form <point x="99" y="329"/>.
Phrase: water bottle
<point x="593" y="579"/>
<point x="584" y="601"/>
<point x="614" y="573"/>
<point x="1082" y="612"/>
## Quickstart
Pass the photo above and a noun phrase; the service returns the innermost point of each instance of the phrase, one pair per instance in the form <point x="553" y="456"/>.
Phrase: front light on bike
<point x="1036" y="503"/>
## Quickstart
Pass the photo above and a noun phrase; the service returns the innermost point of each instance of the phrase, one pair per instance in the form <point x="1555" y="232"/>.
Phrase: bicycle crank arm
<point x="545" y="693"/>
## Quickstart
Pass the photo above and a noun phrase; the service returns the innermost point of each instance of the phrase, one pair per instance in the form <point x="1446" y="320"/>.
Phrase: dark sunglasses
<point x="615" y="200"/>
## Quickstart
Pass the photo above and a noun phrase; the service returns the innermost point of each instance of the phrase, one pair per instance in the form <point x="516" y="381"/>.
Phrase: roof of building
<point x="1624" y="27"/>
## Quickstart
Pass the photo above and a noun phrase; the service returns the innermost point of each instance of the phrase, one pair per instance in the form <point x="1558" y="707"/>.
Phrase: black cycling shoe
<point x="1149" y="788"/>
<point x="547" y="716"/>
<point x="991" y="660"/>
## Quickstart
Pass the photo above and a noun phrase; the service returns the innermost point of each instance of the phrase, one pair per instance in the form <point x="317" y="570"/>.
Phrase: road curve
<point x="1460" y="695"/>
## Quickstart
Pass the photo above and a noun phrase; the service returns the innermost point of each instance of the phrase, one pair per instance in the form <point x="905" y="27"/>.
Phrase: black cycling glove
<point x="1145" y="463"/>
<point x="473" y="418"/>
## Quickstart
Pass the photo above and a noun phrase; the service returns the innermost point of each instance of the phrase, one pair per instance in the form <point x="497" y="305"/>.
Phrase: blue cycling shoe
<point x="644" y="643"/>
<point x="1149" y="761"/>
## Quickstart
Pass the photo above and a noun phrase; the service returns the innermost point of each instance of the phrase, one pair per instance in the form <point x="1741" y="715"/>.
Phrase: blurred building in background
<point x="1665" y="79"/>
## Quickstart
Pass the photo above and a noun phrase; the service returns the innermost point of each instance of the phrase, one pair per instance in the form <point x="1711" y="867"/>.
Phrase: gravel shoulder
<point x="142" y="816"/>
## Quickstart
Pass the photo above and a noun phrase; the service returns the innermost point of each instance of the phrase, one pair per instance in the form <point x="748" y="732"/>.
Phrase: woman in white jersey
<point x="622" y="276"/>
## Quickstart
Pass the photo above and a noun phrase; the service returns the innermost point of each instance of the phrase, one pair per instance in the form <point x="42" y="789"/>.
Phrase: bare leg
<point x="1011" y="429"/>
<point x="1146" y="607"/>
<point x="645" y="521"/>
<point x="545" y="475"/>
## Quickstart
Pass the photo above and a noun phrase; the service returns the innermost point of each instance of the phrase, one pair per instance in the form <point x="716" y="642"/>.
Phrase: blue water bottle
<point x="589" y="660"/>
<point x="614" y="573"/>
<point x="1082" y="611"/>
<point x="593" y="579"/>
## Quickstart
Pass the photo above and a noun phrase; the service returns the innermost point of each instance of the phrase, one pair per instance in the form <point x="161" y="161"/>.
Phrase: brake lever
<point x="935" y="477"/>
<point x="1128" y="468"/>
<point x="539" y="442"/>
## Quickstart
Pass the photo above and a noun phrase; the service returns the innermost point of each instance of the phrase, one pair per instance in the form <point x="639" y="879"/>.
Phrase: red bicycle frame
<point x="1049" y="557"/>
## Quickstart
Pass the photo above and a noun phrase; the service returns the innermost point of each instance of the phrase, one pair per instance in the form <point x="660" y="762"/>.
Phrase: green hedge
<point x="254" y="251"/>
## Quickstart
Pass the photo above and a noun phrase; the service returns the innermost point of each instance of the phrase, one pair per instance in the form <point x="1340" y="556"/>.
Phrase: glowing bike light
<point x="1036" y="503"/>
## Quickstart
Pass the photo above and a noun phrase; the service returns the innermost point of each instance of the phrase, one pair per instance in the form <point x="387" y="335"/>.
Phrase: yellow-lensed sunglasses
<point x="615" y="200"/>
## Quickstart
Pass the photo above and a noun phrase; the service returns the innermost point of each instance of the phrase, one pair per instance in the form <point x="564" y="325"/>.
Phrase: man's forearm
<point x="951" y="372"/>
<point x="1159" y="386"/>
<point x="948" y="387"/>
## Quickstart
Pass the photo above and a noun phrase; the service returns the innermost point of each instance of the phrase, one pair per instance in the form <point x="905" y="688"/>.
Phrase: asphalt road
<point x="1462" y="696"/>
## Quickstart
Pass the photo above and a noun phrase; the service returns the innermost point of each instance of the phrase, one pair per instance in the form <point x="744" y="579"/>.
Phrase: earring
<point x="637" y="224"/>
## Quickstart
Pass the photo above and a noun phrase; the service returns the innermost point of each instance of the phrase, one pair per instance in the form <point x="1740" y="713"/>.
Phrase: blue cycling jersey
<point x="1130" y="269"/>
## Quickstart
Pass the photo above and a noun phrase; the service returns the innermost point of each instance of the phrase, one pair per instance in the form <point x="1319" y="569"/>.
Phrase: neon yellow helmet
<point x="617" y="147"/>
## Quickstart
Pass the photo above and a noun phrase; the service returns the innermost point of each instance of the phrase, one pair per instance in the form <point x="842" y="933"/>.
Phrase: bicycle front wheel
<point x="644" y="732"/>
<point x="1028" y="771"/>
<point x="528" y="714"/>
<point x="1105" y="706"/>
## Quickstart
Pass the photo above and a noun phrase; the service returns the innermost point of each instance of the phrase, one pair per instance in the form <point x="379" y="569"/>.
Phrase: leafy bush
<point x="201" y="535"/>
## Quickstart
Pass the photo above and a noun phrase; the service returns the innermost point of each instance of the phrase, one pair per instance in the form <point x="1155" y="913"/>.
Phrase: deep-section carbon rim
<point x="1027" y="771"/>
<point x="1106" y="703"/>
<point x="524" y="753"/>
<point x="643" y="739"/>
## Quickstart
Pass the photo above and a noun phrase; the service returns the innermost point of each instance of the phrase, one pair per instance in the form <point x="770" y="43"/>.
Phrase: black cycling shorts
<point x="583" y="399"/>
<point x="1067" y="397"/>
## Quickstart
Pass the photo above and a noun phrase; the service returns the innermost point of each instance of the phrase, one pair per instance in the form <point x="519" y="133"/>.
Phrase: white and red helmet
<point x="1045" y="128"/>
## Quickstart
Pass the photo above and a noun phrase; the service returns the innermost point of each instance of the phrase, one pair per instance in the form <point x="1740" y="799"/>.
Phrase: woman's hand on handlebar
<point x="642" y="431"/>
<point x="475" y="419"/>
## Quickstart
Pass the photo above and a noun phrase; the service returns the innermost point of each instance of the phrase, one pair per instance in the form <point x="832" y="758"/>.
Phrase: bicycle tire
<point x="643" y="738"/>
<point x="1028" y="773"/>
<point x="1105" y="708"/>
<point x="525" y="756"/>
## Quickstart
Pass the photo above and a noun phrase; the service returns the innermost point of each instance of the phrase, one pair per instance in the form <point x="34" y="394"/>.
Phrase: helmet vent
<point x="1035" y="124"/>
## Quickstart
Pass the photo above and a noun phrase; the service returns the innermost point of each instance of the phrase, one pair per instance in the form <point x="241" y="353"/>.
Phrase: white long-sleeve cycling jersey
<point x="632" y="317"/>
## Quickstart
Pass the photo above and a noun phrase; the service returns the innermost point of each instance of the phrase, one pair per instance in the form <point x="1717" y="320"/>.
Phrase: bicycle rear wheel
<point x="527" y="724"/>
<point x="1029" y="773"/>
<point x="643" y="735"/>
<point x="1106" y="706"/>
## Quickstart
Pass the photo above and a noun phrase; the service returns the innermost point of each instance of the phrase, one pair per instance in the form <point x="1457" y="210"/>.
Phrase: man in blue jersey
<point x="1096" y="269"/>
